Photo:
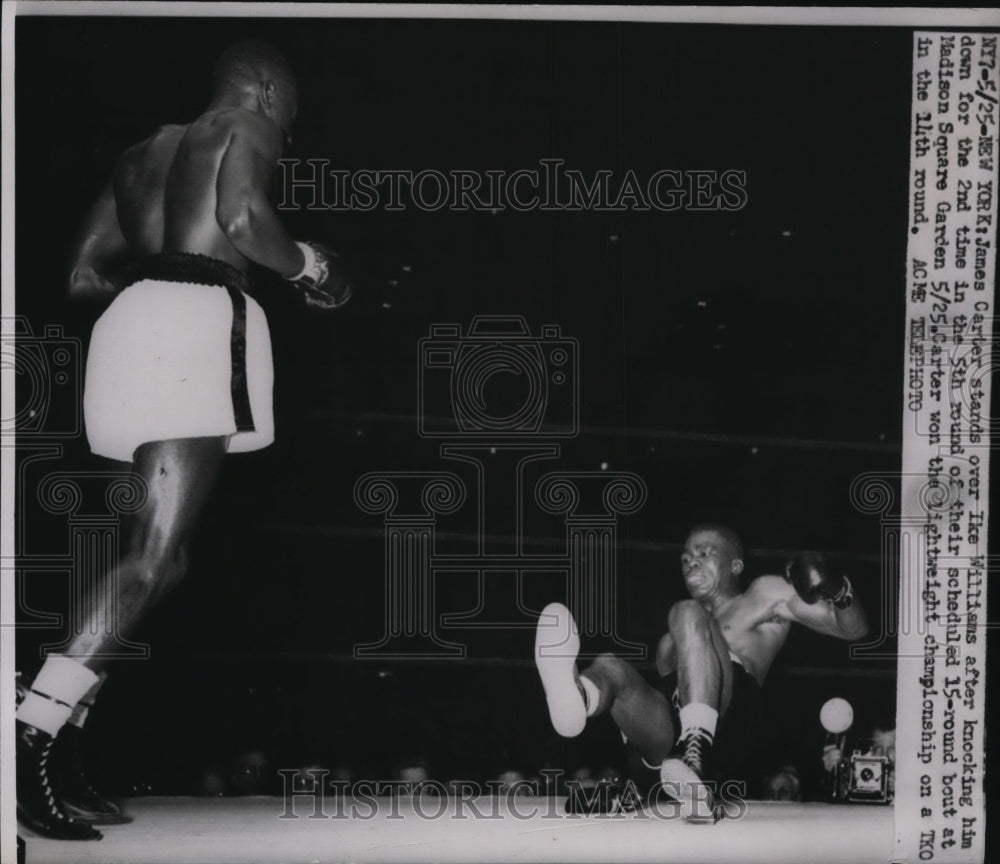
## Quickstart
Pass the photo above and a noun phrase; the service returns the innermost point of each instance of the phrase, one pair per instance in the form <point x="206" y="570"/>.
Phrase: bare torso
<point x="755" y="623"/>
<point x="166" y="187"/>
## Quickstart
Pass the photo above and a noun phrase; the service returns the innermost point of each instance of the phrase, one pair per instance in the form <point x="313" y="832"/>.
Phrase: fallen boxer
<point x="699" y="721"/>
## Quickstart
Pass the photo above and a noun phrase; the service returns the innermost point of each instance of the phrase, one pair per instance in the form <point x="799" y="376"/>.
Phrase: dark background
<point x="747" y="365"/>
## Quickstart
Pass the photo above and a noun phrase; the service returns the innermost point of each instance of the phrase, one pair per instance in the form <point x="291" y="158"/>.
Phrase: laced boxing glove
<point x="323" y="280"/>
<point x="814" y="578"/>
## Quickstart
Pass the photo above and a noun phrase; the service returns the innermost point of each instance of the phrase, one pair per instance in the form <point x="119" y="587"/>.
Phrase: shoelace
<point x="46" y="788"/>
<point x="694" y="755"/>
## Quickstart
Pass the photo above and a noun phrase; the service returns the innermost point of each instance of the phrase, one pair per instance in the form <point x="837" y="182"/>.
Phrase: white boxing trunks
<point x="179" y="359"/>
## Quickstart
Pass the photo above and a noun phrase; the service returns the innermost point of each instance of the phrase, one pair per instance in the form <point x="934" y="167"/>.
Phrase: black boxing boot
<point x="37" y="808"/>
<point x="78" y="798"/>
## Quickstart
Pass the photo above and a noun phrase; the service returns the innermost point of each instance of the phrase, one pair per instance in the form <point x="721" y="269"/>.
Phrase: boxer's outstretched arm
<point x="243" y="209"/>
<point x="99" y="247"/>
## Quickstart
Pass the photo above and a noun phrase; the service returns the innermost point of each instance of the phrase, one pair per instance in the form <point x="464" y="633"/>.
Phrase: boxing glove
<point x="323" y="280"/>
<point x="814" y="578"/>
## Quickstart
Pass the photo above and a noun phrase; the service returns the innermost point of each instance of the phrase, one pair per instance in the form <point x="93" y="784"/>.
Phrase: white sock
<point x="79" y="715"/>
<point x="592" y="695"/>
<point x="698" y="715"/>
<point x="59" y="685"/>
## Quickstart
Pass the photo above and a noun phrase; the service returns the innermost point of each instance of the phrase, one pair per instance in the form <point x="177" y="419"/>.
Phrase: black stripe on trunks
<point x="188" y="267"/>
<point x="238" y="360"/>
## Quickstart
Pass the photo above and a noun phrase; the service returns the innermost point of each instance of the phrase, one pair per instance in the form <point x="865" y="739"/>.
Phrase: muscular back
<point x="140" y="182"/>
<point x="173" y="190"/>
<point x="193" y="187"/>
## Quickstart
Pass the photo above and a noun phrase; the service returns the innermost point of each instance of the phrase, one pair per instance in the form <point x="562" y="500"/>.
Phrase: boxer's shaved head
<point x="257" y="76"/>
<point x="248" y="64"/>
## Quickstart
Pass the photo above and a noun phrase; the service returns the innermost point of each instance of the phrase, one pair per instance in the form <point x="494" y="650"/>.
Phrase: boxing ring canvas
<point x="248" y="830"/>
<point x="619" y="272"/>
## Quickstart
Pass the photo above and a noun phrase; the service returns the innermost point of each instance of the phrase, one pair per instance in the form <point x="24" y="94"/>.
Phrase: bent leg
<point x="639" y="709"/>
<point x="704" y="671"/>
<point x="704" y="690"/>
<point x="179" y="476"/>
<point x="610" y="683"/>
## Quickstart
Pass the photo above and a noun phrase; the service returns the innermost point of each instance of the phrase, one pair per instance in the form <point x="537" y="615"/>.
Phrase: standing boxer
<point x="700" y="721"/>
<point x="179" y="370"/>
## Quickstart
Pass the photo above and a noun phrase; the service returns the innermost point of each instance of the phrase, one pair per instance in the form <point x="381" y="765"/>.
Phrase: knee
<point x="611" y="667"/>
<point x="169" y="572"/>
<point x="157" y="574"/>
<point x="687" y="617"/>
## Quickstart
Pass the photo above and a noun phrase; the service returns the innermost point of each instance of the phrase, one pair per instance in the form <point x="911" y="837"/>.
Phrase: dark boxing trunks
<point x="736" y="735"/>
